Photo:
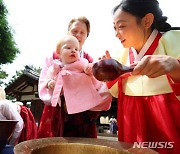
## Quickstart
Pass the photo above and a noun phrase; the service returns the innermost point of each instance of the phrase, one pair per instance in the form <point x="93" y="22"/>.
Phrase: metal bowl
<point x="70" y="145"/>
<point x="6" y="130"/>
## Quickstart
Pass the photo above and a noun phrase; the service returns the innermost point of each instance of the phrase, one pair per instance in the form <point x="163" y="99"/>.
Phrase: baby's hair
<point x="61" y="42"/>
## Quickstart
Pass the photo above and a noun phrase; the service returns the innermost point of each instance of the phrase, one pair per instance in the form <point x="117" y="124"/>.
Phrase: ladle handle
<point x="125" y="69"/>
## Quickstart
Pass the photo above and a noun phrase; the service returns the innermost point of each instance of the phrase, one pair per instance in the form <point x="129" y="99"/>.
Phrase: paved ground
<point x="107" y="137"/>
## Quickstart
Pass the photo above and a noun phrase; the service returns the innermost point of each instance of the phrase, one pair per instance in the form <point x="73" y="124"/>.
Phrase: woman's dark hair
<point x="140" y="8"/>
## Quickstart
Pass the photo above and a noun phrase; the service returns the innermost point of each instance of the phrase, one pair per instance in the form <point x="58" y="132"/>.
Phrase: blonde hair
<point x="62" y="41"/>
<point x="81" y="19"/>
<point x="2" y="93"/>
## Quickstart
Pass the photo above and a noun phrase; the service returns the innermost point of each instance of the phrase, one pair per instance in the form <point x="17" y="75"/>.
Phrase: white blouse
<point x="9" y="111"/>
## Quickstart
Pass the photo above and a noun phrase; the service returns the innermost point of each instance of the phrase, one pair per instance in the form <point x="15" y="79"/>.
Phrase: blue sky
<point x="38" y="24"/>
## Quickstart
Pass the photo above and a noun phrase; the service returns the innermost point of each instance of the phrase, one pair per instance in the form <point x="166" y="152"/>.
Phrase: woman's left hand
<point x="157" y="65"/>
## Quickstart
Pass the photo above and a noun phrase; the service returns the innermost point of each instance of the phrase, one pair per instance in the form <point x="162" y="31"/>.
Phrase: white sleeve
<point x="9" y="111"/>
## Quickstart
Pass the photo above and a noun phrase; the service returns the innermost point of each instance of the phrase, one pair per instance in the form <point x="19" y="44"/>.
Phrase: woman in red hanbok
<point x="148" y="102"/>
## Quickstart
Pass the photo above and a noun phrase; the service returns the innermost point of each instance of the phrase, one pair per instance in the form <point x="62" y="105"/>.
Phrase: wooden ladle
<point x="109" y="69"/>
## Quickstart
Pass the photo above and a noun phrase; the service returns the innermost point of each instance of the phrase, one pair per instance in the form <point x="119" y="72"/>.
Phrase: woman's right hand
<point x="106" y="56"/>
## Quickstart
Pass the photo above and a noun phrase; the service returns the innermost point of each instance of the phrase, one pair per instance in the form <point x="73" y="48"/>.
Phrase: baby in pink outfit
<point x="72" y="76"/>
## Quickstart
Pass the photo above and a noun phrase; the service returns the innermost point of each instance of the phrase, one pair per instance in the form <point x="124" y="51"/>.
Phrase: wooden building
<point x="25" y="89"/>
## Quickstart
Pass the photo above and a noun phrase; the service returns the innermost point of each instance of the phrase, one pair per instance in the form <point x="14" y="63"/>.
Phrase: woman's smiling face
<point x="128" y="30"/>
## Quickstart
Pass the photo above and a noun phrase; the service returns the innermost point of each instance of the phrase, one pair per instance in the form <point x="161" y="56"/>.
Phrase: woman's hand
<point x="106" y="56"/>
<point x="157" y="65"/>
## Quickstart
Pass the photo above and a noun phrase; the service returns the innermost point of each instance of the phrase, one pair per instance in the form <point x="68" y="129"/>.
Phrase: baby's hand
<point x="88" y="69"/>
<point x="51" y="84"/>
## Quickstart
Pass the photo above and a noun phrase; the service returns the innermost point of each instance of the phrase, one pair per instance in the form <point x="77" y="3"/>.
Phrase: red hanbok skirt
<point x="150" y="119"/>
<point x="55" y="122"/>
<point x="29" y="130"/>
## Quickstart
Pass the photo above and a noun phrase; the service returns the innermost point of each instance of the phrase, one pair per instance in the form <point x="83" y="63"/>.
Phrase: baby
<point x="72" y="76"/>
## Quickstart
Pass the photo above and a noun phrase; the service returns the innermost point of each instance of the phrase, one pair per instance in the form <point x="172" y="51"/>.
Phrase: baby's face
<point x="69" y="51"/>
